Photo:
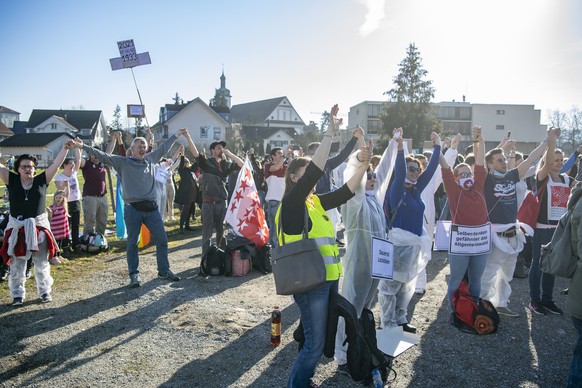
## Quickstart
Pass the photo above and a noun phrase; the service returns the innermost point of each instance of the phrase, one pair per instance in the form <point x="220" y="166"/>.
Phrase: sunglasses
<point x="413" y="169"/>
<point x="371" y="175"/>
<point x="26" y="167"/>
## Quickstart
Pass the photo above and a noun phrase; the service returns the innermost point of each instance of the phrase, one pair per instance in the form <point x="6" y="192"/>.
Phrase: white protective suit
<point x="363" y="218"/>
<point x="427" y="197"/>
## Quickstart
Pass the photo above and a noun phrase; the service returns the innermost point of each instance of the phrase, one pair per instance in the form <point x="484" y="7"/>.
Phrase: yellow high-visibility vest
<point x="323" y="233"/>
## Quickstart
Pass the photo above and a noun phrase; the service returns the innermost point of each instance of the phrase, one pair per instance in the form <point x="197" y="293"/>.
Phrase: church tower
<point x="223" y="91"/>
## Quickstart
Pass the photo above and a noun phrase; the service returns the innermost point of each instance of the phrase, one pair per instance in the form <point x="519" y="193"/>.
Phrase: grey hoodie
<point x="138" y="177"/>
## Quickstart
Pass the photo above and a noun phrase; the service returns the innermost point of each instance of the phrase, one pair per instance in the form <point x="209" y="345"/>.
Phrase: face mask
<point x="406" y="180"/>
<point x="498" y="174"/>
<point x="466" y="183"/>
<point x="370" y="193"/>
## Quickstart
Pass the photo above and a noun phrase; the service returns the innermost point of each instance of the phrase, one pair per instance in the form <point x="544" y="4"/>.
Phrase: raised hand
<point x="366" y="153"/>
<point x="476" y="132"/>
<point x="435" y="138"/>
<point x="455" y="141"/>
<point x="333" y="127"/>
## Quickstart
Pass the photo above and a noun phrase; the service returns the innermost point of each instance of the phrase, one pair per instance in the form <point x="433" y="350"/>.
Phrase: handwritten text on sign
<point x="127" y="51"/>
<point x="470" y="240"/>
<point x="382" y="259"/>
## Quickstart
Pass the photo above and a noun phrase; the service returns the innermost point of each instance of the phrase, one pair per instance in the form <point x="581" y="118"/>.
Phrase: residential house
<point x="89" y="125"/>
<point x="8" y="116"/>
<point x="5" y="132"/>
<point x="274" y="119"/>
<point x="265" y="139"/>
<point x="44" y="146"/>
<point x="7" y="119"/>
<point x="204" y="124"/>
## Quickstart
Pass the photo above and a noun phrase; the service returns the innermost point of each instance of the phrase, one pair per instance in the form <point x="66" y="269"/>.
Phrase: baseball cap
<point x="214" y="144"/>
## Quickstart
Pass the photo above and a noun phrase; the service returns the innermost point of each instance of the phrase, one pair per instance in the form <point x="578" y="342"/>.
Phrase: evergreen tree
<point x="116" y="124"/>
<point x="218" y="100"/>
<point x="324" y="122"/>
<point x="409" y="101"/>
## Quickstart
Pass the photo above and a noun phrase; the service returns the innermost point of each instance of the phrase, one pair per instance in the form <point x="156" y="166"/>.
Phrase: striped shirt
<point x="59" y="222"/>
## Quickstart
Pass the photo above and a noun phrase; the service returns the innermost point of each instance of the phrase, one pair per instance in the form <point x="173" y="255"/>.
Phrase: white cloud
<point x="376" y="12"/>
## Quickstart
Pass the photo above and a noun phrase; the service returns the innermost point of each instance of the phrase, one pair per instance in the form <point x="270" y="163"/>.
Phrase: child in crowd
<point x="58" y="214"/>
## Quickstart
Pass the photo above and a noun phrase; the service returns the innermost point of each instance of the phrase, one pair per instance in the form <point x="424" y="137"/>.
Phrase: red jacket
<point x="20" y="248"/>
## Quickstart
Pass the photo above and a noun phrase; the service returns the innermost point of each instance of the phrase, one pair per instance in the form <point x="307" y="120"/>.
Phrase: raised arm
<point x="115" y="138"/>
<point x="357" y="136"/>
<point x="533" y="157"/>
<point x="363" y="156"/>
<point x="51" y="171"/>
<point x="191" y="145"/>
<point x="4" y="173"/>
<point x="320" y="156"/>
<point x="549" y="157"/>
<point x="478" y="145"/>
<point x="77" y="153"/>
<point x="571" y="160"/>
<point x="232" y="156"/>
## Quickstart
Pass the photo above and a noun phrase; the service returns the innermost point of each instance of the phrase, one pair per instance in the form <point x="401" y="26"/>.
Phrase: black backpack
<point x="363" y="353"/>
<point x="213" y="261"/>
<point x="262" y="261"/>
<point x="94" y="243"/>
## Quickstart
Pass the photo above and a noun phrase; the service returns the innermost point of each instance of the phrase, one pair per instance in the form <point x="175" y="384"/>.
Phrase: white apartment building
<point x="458" y="117"/>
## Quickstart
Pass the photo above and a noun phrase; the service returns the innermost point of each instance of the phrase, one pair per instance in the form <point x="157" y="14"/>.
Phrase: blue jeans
<point x="536" y="276"/>
<point x="313" y="308"/>
<point x="474" y="266"/>
<point x="575" y="376"/>
<point x="133" y="220"/>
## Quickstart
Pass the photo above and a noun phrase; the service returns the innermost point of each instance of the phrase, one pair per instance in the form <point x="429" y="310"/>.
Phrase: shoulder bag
<point x="297" y="266"/>
<point x="530" y="208"/>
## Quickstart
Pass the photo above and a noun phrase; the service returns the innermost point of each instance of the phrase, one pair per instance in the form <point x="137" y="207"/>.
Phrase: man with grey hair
<point x="138" y="181"/>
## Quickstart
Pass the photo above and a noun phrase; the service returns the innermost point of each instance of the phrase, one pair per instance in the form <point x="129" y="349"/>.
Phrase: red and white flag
<point x="245" y="213"/>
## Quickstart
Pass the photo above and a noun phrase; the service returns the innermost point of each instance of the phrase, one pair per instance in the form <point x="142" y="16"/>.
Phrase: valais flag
<point x="245" y="213"/>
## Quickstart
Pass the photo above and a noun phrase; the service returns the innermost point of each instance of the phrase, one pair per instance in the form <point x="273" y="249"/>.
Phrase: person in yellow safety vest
<point x="300" y="179"/>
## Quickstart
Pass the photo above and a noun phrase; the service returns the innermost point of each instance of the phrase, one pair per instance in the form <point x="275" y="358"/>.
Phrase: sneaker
<point x="55" y="261"/>
<point x="134" y="280"/>
<point x="169" y="275"/>
<point x="4" y="272"/>
<point x="420" y="291"/>
<point x="344" y="370"/>
<point x="551" y="307"/>
<point x="46" y="298"/>
<point x="17" y="302"/>
<point x="507" y="312"/>
<point x="536" y="307"/>
<point x="28" y="274"/>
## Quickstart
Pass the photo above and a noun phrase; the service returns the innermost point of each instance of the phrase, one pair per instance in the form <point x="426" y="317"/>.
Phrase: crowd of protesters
<point x="396" y="196"/>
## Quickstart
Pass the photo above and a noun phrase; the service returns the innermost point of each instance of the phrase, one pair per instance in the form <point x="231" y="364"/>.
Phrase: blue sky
<point x="55" y="54"/>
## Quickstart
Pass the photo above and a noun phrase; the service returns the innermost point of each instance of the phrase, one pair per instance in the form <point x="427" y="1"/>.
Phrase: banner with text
<point x="382" y="259"/>
<point x="470" y="240"/>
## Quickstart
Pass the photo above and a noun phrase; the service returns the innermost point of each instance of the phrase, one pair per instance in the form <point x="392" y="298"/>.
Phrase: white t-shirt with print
<point x="74" y="190"/>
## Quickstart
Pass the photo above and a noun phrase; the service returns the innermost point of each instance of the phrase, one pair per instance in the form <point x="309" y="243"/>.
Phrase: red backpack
<point x="471" y="317"/>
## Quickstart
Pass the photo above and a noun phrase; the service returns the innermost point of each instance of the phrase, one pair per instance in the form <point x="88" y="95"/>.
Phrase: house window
<point x="165" y="135"/>
<point x="500" y="111"/>
<point x="500" y="127"/>
<point x="217" y="133"/>
<point x="53" y="126"/>
<point x="204" y="132"/>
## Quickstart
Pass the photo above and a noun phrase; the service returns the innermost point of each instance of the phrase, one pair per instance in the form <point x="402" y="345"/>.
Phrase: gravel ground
<point x="215" y="332"/>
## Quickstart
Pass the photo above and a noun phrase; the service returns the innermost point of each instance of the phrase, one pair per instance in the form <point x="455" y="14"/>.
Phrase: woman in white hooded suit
<point x="363" y="218"/>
